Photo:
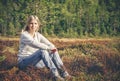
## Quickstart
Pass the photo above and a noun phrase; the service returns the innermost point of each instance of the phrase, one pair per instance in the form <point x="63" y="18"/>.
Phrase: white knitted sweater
<point x="29" y="45"/>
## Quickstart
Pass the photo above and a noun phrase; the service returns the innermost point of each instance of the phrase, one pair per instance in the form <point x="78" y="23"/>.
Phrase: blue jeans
<point x="42" y="58"/>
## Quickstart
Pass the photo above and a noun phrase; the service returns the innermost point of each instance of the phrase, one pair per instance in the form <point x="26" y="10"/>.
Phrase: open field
<point x="85" y="59"/>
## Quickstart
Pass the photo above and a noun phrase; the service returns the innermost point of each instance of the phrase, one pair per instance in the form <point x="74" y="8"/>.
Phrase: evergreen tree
<point x="62" y="17"/>
<point x="11" y="30"/>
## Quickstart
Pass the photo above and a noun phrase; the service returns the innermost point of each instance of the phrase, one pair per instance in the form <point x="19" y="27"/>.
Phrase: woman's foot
<point x="66" y="75"/>
<point x="58" y="78"/>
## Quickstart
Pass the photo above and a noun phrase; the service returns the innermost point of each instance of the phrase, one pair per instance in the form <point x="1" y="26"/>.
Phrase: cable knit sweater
<point x="29" y="44"/>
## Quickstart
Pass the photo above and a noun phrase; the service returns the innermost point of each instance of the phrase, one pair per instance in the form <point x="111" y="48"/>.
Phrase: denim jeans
<point x="42" y="58"/>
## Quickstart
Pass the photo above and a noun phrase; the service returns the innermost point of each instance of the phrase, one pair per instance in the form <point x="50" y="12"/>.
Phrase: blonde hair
<point x="28" y="21"/>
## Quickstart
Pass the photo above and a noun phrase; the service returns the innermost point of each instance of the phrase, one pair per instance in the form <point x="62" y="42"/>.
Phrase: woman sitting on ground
<point x="36" y="50"/>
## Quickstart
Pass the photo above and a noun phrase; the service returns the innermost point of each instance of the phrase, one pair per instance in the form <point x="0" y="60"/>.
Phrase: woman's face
<point x="33" y="25"/>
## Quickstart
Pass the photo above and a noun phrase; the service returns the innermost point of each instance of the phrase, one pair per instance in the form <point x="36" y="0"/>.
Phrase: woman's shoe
<point x="58" y="78"/>
<point x="66" y="75"/>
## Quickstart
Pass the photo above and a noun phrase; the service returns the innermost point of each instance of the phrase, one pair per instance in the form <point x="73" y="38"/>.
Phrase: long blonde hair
<point x="31" y="17"/>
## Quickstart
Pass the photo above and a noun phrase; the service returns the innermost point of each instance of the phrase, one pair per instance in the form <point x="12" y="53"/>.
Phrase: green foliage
<point x="68" y="18"/>
<point x="11" y="29"/>
<point x="2" y="58"/>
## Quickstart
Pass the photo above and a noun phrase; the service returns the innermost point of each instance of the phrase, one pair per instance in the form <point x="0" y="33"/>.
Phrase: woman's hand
<point x="53" y="50"/>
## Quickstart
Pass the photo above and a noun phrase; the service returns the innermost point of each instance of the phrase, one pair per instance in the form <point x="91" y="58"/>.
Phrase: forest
<point x="62" y="18"/>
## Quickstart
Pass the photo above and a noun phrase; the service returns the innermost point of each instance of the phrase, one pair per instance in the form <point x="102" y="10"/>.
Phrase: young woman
<point x="36" y="50"/>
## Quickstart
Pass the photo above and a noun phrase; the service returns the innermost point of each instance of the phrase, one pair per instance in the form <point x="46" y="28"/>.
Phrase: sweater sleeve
<point x="45" y="41"/>
<point x="28" y="40"/>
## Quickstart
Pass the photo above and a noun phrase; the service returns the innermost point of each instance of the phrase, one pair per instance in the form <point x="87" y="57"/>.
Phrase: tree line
<point x="62" y="18"/>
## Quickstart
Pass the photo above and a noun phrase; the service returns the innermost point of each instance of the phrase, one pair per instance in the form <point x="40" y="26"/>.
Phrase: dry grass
<point x="85" y="59"/>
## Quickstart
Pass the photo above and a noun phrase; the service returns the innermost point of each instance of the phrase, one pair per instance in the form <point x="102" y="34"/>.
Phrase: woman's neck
<point x="32" y="33"/>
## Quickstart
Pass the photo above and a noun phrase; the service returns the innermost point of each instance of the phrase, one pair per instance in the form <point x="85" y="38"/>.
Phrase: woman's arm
<point x="27" y="39"/>
<point x="45" y="41"/>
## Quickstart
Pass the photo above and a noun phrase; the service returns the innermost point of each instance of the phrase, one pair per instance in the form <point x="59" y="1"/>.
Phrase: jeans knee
<point x="45" y="53"/>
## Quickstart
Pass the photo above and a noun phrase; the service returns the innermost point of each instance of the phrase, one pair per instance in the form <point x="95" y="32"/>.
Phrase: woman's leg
<point x="56" y="59"/>
<point x="36" y="58"/>
<point x="50" y="64"/>
<point x="30" y="60"/>
<point x="40" y="64"/>
<point x="39" y="56"/>
<point x="59" y="64"/>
